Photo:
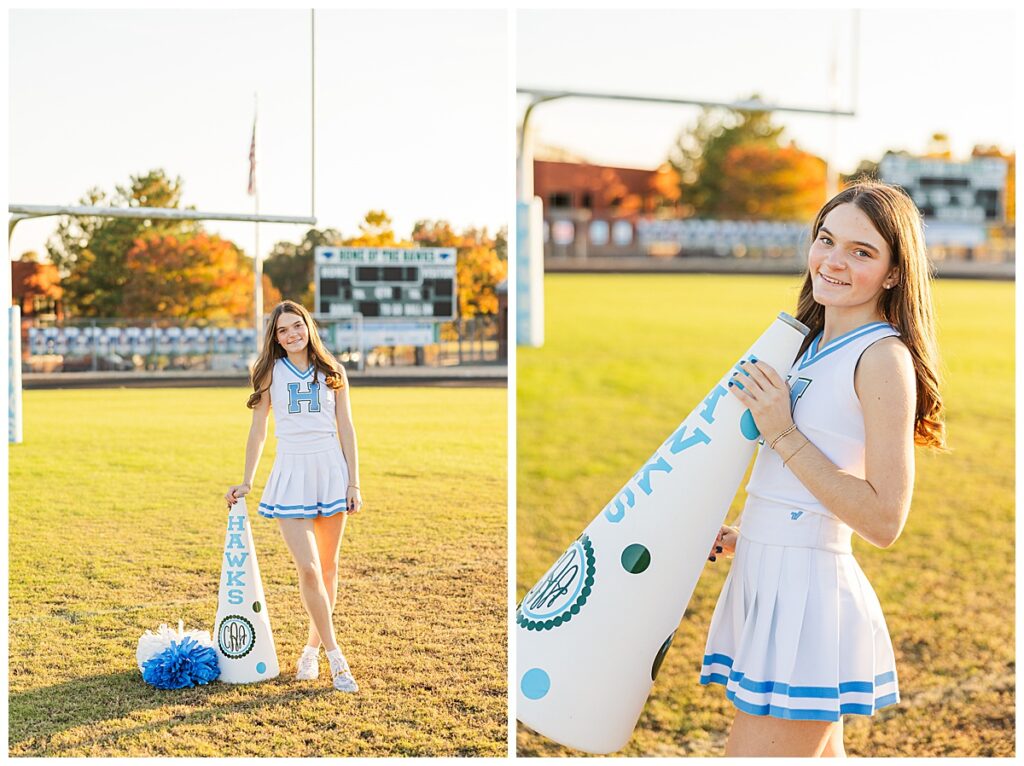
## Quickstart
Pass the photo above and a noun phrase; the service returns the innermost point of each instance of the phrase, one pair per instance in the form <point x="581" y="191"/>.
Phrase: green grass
<point x="117" y="524"/>
<point x="627" y="357"/>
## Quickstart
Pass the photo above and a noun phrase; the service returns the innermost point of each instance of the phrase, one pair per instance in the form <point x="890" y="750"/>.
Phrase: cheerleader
<point x="798" y="638"/>
<point x="314" y="483"/>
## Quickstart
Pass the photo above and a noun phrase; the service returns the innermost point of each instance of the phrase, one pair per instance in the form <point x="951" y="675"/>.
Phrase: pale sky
<point x="920" y="72"/>
<point x="412" y="113"/>
<point x="412" y="106"/>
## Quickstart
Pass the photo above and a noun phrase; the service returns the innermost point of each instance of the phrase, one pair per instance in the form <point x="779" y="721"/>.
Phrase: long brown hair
<point x="322" y="360"/>
<point x="907" y="306"/>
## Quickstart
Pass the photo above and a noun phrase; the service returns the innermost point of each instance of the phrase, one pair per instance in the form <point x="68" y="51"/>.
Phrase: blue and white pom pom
<point x="176" y="659"/>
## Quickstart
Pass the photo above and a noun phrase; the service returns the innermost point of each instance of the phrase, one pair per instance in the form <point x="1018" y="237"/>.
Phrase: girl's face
<point x="291" y="332"/>
<point x="850" y="263"/>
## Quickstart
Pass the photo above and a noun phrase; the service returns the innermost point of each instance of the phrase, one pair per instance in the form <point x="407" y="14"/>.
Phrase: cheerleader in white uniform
<point x="798" y="638"/>
<point x="314" y="483"/>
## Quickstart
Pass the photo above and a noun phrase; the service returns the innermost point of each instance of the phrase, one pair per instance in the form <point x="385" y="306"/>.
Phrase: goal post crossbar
<point x="20" y="213"/>
<point x="529" y="329"/>
<point x="749" y="105"/>
<point x="162" y="213"/>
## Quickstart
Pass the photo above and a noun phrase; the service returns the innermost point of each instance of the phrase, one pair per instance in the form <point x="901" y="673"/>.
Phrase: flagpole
<point x="312" y="111"/>
<point x="258" y="291"/>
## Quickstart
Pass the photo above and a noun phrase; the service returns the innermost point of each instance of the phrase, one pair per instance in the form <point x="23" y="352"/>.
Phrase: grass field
<point x="627" y="357"/>
<point x="117" y="524"/>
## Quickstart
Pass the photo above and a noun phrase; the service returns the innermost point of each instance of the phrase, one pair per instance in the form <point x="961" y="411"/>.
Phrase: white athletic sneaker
<point x="308" y="665"/>
<point x="341" y="676"/>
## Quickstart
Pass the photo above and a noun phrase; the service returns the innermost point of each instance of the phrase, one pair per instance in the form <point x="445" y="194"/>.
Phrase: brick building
<point x="594" y="209"/>
<point x="601" y="189"/>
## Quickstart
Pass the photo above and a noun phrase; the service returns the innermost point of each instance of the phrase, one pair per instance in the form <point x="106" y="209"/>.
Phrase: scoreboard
<point x="970" y="192"/>
<point x="385" y="282"/>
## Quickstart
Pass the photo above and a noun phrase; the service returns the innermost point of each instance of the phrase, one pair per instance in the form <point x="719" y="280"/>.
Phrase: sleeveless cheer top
<point x="827" y="411"/>
<point x="303" y="405"/>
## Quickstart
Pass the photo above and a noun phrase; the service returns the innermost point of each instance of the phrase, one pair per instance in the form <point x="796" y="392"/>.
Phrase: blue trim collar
<point x="814" y="353"/>
<point x="293" y="368"/>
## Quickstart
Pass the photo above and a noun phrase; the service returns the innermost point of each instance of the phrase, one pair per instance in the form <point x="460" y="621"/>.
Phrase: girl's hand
<point x="237" y="491"/>
<point x="766" y="395"/>
<point x="725" y="542"/>
<point x="353" y="500"/>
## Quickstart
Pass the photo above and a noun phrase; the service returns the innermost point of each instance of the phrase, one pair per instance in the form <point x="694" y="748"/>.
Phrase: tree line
<point x="154" y="268"/>
<point x="734" y="164"/>
<point x="737" y="164"/>
<point x="729" y="164"/>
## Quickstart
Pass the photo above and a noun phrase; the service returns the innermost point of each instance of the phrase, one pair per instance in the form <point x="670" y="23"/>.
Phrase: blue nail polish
<point x="730" y="383"/>
<point x="753" y="359"/>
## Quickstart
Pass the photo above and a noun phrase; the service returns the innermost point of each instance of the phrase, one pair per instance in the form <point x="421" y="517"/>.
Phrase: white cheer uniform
<point x="310" y="475"/>
<point x="798" y="632"/>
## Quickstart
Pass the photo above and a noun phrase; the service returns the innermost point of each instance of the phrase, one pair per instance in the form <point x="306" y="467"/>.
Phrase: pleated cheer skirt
<point x="798" y="632"/>
<point x="306" y="481"/>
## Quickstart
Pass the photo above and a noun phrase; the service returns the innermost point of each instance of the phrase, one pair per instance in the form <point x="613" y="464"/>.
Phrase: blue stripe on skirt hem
<point x="301" y="515"/>
<point x="275" y="506"/>
<point x="797" y="714"/>
<point x="794" y="691"/>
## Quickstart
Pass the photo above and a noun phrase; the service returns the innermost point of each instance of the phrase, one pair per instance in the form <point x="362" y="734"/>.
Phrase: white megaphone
<point x="242" y="634"/>
<point x="591" y="635"/>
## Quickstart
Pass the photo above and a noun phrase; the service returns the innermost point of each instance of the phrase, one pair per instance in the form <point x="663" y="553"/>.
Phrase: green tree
<point x="700" y="153"/>
<point x="90" y="253"/>
<point x="290" y="265"/>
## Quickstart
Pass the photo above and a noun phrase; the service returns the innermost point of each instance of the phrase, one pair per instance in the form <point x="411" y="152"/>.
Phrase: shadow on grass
<point x="38" y="715"/>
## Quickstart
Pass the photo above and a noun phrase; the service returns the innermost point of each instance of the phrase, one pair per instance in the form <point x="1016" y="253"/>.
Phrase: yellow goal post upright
<point x="12" y="317"/>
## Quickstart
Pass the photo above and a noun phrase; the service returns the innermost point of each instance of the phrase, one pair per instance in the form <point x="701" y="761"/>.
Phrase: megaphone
<point x="591" y="635"/>
<point x="242" y="635"/>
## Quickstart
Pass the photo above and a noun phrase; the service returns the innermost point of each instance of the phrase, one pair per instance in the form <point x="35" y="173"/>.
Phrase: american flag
<point x="252" y="161"/>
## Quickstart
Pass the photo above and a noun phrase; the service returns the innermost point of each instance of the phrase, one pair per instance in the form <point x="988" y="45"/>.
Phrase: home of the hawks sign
<point x="385" y="282"/>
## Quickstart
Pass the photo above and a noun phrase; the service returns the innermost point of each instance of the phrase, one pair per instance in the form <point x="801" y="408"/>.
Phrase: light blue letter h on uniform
<point x="312" y="397"/>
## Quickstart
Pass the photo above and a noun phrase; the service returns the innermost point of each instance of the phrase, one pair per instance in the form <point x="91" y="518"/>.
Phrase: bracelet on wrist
<point x="782" y="436"/>
<point x="793" y="453"/>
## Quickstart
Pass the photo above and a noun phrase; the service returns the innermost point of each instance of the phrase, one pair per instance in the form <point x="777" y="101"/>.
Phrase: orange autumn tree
<point x="479" y="267"/>
<point x="479" y="271"/>
<point x="775" y="183"/>
<point x="665" y="183"/>
<point x="197" y="277"/>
